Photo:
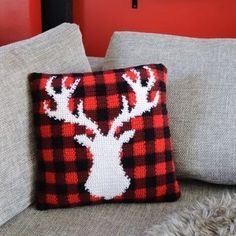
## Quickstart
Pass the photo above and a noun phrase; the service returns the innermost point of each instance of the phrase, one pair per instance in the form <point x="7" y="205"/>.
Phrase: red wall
<point x="19" y="19"/>
<point x="197" y="18"/>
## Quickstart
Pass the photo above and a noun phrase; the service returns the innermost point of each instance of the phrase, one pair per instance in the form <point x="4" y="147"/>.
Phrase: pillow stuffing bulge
<point x="103" y="137"/>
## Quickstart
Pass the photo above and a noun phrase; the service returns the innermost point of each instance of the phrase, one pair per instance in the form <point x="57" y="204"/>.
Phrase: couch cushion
<point x="202" y="95"/>
<point x="56" y="51"/>
<point x="96" y="63"/>
<point x="107" y="219"/>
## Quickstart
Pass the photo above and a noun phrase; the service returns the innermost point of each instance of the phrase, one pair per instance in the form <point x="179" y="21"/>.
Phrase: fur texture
<point x="212" y="216"/>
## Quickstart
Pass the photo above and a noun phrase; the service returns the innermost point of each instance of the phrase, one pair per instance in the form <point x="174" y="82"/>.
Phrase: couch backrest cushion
<point x="56" y="51"/>
<point x="202" y="97"/>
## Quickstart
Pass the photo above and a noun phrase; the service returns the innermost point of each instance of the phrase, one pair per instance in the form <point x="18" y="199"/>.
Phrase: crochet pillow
<point x="103" y="137"/>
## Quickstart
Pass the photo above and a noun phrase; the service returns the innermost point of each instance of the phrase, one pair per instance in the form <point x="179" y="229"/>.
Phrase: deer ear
<point x="83" y="140"/>
<point x="126" y="136"/>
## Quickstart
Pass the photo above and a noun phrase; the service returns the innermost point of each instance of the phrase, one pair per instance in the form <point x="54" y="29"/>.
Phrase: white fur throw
<point x="212" y="216"/>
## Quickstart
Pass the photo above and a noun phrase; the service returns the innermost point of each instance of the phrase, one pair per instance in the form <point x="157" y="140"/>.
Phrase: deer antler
<point x="62" y="111"/>
<point x="142" y="104"/>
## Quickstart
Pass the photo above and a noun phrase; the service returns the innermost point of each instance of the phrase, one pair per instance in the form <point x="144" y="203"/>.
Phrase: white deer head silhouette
<point x="107" y="177"/>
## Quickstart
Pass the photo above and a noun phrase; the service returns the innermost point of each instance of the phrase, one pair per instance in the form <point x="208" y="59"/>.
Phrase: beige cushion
<point x="106" y="219"/>
<point x="59" y="50"/>
<point x="201" y="97"/>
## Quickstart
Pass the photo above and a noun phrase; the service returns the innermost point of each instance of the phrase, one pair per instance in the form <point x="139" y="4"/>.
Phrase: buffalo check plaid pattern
<point x="78" y="162"/>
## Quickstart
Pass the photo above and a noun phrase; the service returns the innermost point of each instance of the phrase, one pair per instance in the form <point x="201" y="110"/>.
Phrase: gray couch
<point x="107" y="219"/>
<point x="16" y="216"/>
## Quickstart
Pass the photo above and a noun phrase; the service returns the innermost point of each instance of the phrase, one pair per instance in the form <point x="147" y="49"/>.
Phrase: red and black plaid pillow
<point x="103" y="137"/>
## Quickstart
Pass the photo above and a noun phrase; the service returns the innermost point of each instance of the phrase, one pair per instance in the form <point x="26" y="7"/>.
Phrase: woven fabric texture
<point x="201" y="97"/>
<point x="56" y="51"/>
<point x="96" y="63"/>
<point x="103" y="137"/>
